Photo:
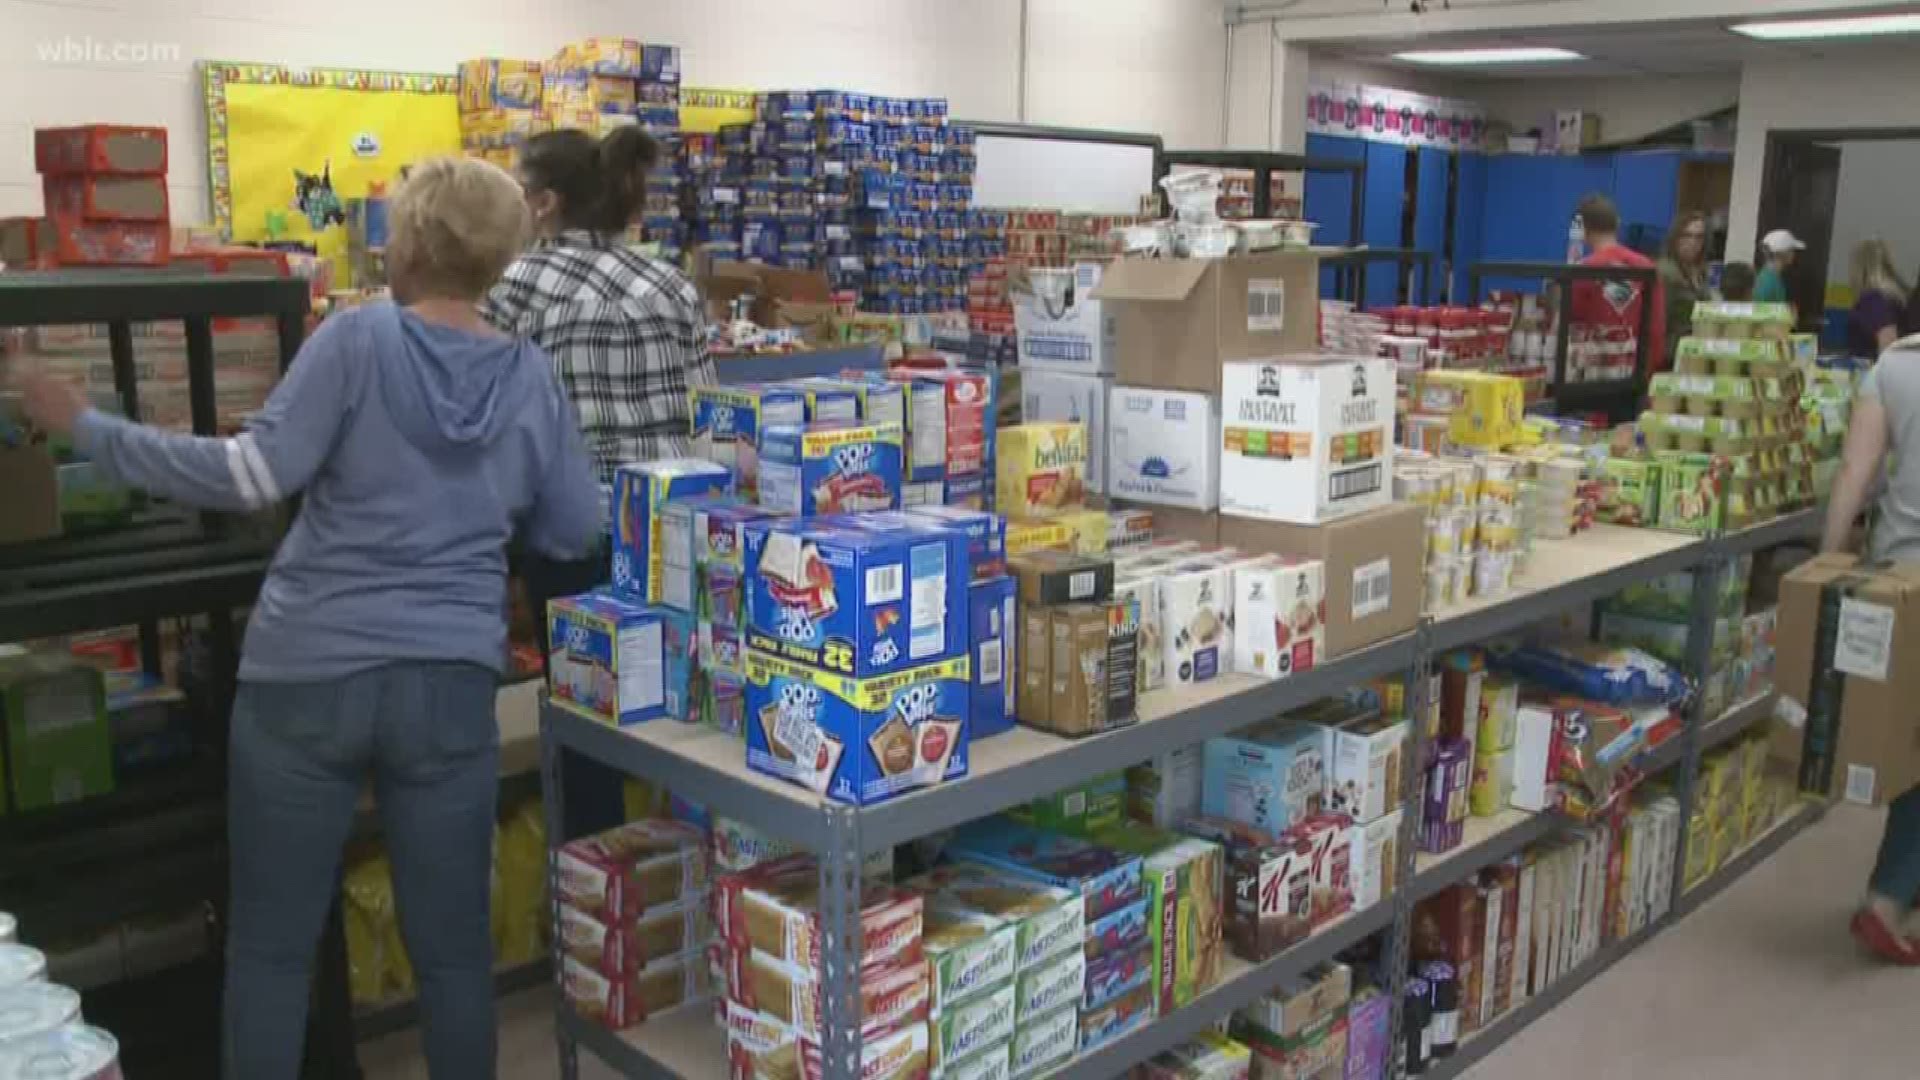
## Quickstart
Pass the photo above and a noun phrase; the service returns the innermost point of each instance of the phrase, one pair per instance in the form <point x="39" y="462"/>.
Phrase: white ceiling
<point x="1612" y="51"/>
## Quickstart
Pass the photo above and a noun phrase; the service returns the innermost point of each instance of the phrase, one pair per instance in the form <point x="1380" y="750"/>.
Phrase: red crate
<point x="77" y="242"/>
<point x="238" y="261"/>
<point x="106" y="198"/>
<point x="101" y="148"/>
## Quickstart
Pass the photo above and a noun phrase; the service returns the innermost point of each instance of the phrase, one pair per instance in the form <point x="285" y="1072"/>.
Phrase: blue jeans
<point x="299" y="752"/>
<point x="1896" y="872"/>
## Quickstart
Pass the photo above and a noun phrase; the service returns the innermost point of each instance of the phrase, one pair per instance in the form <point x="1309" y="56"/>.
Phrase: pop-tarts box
<point x="830" y="468"/>
<point x="639" y="492"/>
<point x="859" y="741"/>
<point x="698" y="534"/>
<point x="728" y="420"/>
<point x="680" y="657"/>
<point x="876" y="400"/>
<point x="986" y="535"/>
<point x="856" y="601"/>
<point x="607" y="658"/>
<point x="1107" y="880"/>
<point x="828" y="400"/>
<point x="990" y="627"/>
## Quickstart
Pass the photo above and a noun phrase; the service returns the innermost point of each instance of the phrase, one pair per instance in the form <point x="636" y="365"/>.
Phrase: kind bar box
<point x="993" y="622"/>
<point x="1041" y="469"/>
<point x="1072" y="398"/>
<point x="1306" y="439"/>
<point x="1279" y="616"/>
<point x="1175" y="320"/>
<point x="1845" y="633"/>
<point x="858" y="741"/>
<point x="830" y="468"/>
<point x="639" y="492"/>
<point x="1092" y="663"/>
<point x="728" y="422"/>
<point x="607" y="658"/>
<point x="1374" y="564"/>
<point x="1163" y="446"/>
<point x="863" y="601"/>
<point x="1106" y="880"/>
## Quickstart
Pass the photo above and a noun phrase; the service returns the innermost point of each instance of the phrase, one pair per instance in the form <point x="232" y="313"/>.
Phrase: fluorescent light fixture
<point x="1814" y="29"/>
<point x="1467" y="57"/>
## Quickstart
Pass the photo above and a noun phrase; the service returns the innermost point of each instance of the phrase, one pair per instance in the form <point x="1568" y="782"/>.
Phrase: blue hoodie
<point x="421" y="451"/>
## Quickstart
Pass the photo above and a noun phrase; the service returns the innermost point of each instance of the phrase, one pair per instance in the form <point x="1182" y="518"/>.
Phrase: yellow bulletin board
<point x="288" y="146"/>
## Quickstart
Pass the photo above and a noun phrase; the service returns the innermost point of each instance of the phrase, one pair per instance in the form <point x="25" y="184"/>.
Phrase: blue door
<point x="1430" y="212"/>
<point x="1328" y="197"/>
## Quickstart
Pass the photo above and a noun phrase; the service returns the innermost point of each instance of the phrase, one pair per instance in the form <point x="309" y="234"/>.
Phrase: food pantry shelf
<point x="1737" y="719"/>
<point x="1752" y="854"/>
<point x="1488" y="840"/>
<point x="1022" y="764"/>
<point x="1801" y="525"/>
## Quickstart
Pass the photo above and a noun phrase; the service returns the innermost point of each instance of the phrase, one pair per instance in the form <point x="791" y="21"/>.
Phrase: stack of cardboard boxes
<point x="500" y="108"/>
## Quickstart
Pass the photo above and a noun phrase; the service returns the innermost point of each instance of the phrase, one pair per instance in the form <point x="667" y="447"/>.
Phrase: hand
<point x="51" y="403"/>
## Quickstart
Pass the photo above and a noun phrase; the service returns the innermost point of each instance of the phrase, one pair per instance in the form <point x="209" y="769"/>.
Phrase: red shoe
<point x="1883" y="941"/>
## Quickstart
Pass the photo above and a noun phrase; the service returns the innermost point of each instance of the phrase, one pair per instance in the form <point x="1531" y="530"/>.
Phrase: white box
<point x="1151" y="647"/>
<point x="1065" y="333"/>
<point x="1279" y="616"/>
<point x="1306" y="439"/>
<point x="1163" y="446"/>
<point x="1165" y="790"/>
<point x="1376" y="849"/>
<point x="1196" y="622"/>
<point x="1059" y="395"/>
<point x="1523" y="938"/>
<point x="1365" y="759"/>
<point x="1532" y="743"/>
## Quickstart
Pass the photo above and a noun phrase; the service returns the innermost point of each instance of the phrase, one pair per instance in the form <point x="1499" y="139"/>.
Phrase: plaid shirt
<point x="627" y="333"/>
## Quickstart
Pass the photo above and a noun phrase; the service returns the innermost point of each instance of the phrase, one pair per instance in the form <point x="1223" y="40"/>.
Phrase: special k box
<point x="858" y="741"/>
<point x="1306" y="439"/>
<point x="639" y="492"/>
<point x="830" y="468"/>
<point x="861" y="600"/>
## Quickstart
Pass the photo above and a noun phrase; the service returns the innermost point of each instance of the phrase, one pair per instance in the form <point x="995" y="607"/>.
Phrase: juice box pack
<point x="862" y="601"/>
<point x="607" y="658"/>
<point x="830" y="468"/>
<point x="728" y="422"/>
<point x="858" y="741"/>
<point x="639" y="492"/>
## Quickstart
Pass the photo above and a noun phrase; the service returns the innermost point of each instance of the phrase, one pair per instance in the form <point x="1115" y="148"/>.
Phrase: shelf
<point x="688" y="1043"/>
<point x="1005" y="770"/>
<point x="1737" y="719"/>
<point x="56" y="297"/>
<point x="1756" y="851"/>
<point x="109" y="602"/>
<point x="1563" y="574"/>
<point x="1799" y="526"/>
<point x="1488" y="840"/>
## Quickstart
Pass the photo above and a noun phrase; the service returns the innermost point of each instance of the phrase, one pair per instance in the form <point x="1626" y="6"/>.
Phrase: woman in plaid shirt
<point x="627" y="333"/>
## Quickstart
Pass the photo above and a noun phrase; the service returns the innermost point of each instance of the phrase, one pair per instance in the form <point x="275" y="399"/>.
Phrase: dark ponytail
<point x="600" y="184"/>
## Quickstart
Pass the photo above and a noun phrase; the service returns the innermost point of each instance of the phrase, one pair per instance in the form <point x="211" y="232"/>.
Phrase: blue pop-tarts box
<point x="680" y="658"/>
<point x="827" y="400"/>
<point x="606" y="658"/>
<point x="859" y="741"/>
<point x="986" y="536"/>
<point x="856" y="601"/>
<point x="990" y="628"/>
<point x="1107" y="880"/>
<point x="728" y="420"/>
<point x="640" y="491"/>
<point x="830" y="468"/>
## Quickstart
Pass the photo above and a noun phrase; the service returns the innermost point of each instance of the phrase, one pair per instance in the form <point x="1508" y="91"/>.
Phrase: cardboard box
<point x="1306" y="439"/>
<point x="622" y="874"/>
<point x="639" y="492"/>
<point x="23" y="240"/>
<point x="1375" y="564"/>
<point x="1375" y="846"/>
<point x="30" y="490"/>
<point x="1845" y="632"/>
<point x="830" y="468"/>
<point x="1175" y="320"/>
<point x="1279" y="617"/>
<point x="1303" y="1000"/>
<point x="1050" y="577"/>
<point x="1033" y="695"/>
<point x="1268" y="779"/>
<point x="1163" y="447"/>
<point x="1094" y="662"/>
<point x="1076" y="398"/>
<point x="1196" y="622"/>
<point x="728" y="422"/>
<point x="53" y="715"/>
<point x="950" y="422"/>
<point x="1198" y="526"/>
<point x="1062" y="325"/>
<point x="606" y="658"/>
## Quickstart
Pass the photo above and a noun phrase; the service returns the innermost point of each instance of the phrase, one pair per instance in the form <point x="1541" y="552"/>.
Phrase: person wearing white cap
<point x="1780" y="248"/>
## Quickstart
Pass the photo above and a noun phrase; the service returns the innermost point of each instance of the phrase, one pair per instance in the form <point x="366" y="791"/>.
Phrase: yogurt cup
<point x="35" y="1008"/>
<point x="75" y="1052"/>
<point x="1492" y="573"/>
<point x="21" y="964"/>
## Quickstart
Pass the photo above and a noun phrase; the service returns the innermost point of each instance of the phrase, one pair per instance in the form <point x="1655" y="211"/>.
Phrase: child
<point x="1736" y="281"/>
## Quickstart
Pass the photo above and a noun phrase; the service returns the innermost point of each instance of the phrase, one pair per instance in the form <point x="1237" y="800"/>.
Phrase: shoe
<point x="1883" y="941"/>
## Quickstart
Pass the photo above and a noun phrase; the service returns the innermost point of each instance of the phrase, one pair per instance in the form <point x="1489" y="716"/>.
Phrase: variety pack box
<point x="1106" y="880"/>
<point x="639" y="492"/>
<point x="1163" y="446"/>
<point x="830" y="468"/>
<point x="857" y="601"/>
<point x="859" y="741"/>
<point x="607" y="658"/>
<point x="993" y="622"/>
<point x="1069" y="397"/>
<point x="702" y="533"/>
<point x="1374" y="564"/>
<point x="1175" y="320"/>
<point x="1280" y="614"/>
<point x="986" y="535"/>
<point x="728" y="422"/>
<point x="951" y="415"/>
<point x="1306" y="439"/>
<point x="1268" y="779"/>
<point x="1062" y="325"/>
<point x="1042" y="469"/>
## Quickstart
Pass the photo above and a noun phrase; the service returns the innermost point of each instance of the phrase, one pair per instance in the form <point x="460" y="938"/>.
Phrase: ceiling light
<point x="1457" y="57"/>
<point x="1810" y="29"/>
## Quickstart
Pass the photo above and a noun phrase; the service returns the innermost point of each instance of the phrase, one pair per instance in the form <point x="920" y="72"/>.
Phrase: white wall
<point x="1876" y="202"/>
<point x="1330" y="20"/>
<point x="1630" y="108"/>
<point x="1153" y="65"/>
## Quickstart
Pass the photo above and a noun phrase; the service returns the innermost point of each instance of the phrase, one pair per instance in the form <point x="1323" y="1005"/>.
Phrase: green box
<point x="1693" y="492"/>
<point x="960" y="1031"/>
<point x="968" y="953"/>
<point x="1183" y="877"/>
<point x="1629" y="492"/>
<point x="1083" y="810"/>
<point x="54" y="710"/>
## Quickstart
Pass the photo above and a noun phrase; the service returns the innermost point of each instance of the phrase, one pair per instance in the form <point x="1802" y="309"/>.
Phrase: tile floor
<point x="1761" y="984"/>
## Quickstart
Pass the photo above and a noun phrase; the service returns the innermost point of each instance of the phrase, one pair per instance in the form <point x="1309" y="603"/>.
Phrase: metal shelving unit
<point x="1620" y="396"/>
<point x="1009" y="769"/>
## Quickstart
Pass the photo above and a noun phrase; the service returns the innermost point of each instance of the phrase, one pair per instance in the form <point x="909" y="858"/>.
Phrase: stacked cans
<point x="41" y="1036"/>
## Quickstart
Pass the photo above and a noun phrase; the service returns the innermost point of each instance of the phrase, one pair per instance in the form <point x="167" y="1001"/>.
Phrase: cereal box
<point x="1364" y="766"/>
<point x="1268" y="779"/>
<point x="728" y="421"/>
<point x="992" y="626"/>
<point x="1107" y="880"/>
<point x="1196" y="622"/>
<point x="1042" y="469"/>
<point x="639" y="492"/>
<point x="1163" y="446"/>
<point x="1048" y="921"/>
<point x="1306" y="439"/>
<point x="1280" y="617"/>
<point x="1270" y="886"/>
<point x="861" y="602"/>
<point x="607" y="659"/>
<point x="859" y="741"/>
<point x="954" y="411"/>
<point x="830" y="468"/>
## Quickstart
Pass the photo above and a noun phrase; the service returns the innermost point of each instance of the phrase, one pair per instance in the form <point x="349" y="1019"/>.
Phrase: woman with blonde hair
<point x="1879" y="300"/>
<point x="422" y="440"/>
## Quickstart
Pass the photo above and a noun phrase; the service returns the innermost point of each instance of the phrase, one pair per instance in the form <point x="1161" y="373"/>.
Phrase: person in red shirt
<point x="1617" y="302"/>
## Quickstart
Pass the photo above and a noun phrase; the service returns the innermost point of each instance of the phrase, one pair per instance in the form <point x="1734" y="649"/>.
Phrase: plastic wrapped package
<point x="1612" y="675"/>
<point x="520" y="866"/>
<point x="368" y="912"/>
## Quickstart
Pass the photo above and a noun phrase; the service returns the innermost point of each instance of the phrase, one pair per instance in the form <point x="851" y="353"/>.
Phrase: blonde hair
<point x="455" y="225"/>
<point x="1872" y="271"/>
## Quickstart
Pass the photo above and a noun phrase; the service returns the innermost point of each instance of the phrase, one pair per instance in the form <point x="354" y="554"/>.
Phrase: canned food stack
<point x="42" y="1035"/>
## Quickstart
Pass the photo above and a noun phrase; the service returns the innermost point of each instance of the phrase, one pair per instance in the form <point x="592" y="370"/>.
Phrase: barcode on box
<point x="1372" y="588"/>
<point x="1860" y="783"/>
<point x="1353" y="483"/>
<point x="1266" y="306"/>
<point x="990" y="661"/>
<point x="885" y="585"/>
<point x="1080" y="585"/>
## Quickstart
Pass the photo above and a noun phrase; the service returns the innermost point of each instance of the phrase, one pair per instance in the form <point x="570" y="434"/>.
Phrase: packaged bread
<point x="622" y="872"/>
<point x="890" y="995"/>
<point x="775" y="908"/>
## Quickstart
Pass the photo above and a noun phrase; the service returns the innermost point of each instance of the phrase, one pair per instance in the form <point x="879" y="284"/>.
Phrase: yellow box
<point x="1026" y="536"/>
<point x="591" y="93"/>
<point x="613" y="56"/>
<point x="494" y="83"/>
<point x="1042" y="469"/>
<point x="1486" y="410"/>
<point x="1089" y="528"/>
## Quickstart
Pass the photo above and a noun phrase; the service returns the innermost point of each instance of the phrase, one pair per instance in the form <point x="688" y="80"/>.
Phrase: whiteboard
<point x="1061" y="174"/>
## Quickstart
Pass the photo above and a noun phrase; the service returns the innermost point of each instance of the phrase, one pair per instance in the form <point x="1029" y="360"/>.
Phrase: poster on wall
<point x="1401" y="117"/>
<point x="288" y="147"/>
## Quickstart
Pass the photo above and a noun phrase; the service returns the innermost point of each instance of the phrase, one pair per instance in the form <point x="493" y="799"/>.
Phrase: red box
<point x="968" y="398"/>
<point x="78" y="242"/>
<point x="106" y="198"/>
<point x="239" y="261"/>
<point x="101" y="148"/>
